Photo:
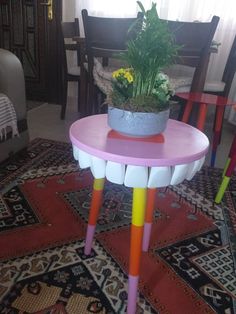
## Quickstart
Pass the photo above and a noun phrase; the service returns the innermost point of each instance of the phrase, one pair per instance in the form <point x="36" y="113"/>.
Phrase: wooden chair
<point x="222" y="87"/>
<point x="195" y="40"/>
<point x="70" y="73"/>
<point x="104" y="38"/>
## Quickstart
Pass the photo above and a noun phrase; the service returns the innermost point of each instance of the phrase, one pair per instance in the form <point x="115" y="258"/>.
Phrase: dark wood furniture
<point x="69" y="30"/>
<point x="104" y="38"/>
<point x="222" y="88"/>
<point x="195" y="39"/>
<point x="27" y="31"/>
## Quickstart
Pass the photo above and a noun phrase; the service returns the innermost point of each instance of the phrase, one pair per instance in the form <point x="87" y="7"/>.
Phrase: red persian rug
<point x="44" y="205"/>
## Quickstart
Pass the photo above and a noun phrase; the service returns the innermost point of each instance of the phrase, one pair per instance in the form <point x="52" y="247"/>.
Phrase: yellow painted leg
<point x="226" y="167"/>
<point x="221" y="192"/>
<point x="138" y="214"/>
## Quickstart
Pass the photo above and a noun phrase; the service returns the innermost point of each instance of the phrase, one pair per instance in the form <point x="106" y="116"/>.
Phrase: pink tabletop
<point x="182" y="143"/>
<point x="206" y="98"/>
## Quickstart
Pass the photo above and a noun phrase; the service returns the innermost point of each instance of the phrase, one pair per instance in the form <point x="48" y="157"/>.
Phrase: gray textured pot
<point x="137" y="124"/>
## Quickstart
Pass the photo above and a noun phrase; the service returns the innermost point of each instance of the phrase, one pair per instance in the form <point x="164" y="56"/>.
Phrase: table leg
<point x="138" y="213"/>
<point x="217" y="132"/>
<point x="187" y="111"/>
<point x="98" y="186"/>
<point x="226" y="180"/>
<point x="202" y="117"/>
<point x="151" y="195"/>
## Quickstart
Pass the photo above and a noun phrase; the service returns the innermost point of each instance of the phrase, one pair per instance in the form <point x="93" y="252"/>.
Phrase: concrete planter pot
<point x="138" y="124"/>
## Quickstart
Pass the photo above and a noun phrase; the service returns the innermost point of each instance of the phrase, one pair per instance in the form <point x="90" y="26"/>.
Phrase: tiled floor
<point x="45" y="122"/>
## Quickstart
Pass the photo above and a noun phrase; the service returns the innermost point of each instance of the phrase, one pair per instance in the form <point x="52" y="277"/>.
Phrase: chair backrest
<point x="230" y="69"/>
<point x="195" y="39"/>
<point x="68" y="31"/>
<point x="105" y="37"/>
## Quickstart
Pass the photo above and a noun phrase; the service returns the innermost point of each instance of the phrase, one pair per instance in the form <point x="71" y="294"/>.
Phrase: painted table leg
<point x="187" y="111"/>
<point x="98" y="186"/>
<point x="138" y="213"/>
<point x="226" y="180"/>
<point x="226" y="167"/>
<point x="232" y="152"/>
<point x="217" y="132"/>
<point x="202" y="117"/>
<point x="151" y="195"/>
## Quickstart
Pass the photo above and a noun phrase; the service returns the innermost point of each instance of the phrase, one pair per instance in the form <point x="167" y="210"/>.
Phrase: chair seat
<point x="214" y="86"/>
<point x="181" y="84"/>
<point x="75" y="70"/>
<point x="180" y="77"/>
<point x="103" y="76"/>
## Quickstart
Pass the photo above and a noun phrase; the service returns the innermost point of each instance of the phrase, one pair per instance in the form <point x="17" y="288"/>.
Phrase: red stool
<point x="203" y="100"/>
<point x="228" y="171"/>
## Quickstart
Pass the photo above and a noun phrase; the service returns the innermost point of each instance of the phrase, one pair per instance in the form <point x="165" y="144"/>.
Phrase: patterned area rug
<point x="44" y="205"/>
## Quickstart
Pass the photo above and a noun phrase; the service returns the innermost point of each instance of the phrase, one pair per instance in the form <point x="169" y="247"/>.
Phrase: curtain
<point x="183" y="10"/>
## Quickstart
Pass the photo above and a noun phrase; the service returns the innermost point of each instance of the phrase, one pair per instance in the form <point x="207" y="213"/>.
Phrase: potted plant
<point x="139" y="101"/>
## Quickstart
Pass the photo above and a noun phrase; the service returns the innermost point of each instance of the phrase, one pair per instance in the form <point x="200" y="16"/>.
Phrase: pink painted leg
<point x="151" y="196"/>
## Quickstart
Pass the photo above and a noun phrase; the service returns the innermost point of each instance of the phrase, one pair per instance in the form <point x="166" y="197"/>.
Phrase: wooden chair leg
<point x="78" y="95"/>
<point x="217" y="132"/>
<point x="182" y="104"/>
<point x="90" y="99"/>
<point x="83" y="92"/>
<point x="64" y="101"/>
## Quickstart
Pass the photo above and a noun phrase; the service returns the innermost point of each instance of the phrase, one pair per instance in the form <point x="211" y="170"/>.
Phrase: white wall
<point x="68" y="11"/>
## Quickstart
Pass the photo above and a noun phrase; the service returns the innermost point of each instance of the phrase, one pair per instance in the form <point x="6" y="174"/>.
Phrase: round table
<point x="144" y="164"/>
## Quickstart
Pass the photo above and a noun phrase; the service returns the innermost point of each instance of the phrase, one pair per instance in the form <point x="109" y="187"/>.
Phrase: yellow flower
<point x="129" y="77"/>
<point x="124" y="74"/>
<point x="118" y="72"/>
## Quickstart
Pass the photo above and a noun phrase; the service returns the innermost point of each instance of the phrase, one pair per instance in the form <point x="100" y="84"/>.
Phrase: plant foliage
<point x="143" y="84"/>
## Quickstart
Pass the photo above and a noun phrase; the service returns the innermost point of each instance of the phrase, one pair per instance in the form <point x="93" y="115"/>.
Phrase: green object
<point x="222" y="189"/>
<point x="226" y="167"/>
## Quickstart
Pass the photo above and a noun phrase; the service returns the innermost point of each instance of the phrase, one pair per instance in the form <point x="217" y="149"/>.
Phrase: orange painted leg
<point x="217" y="132"/>
<point x="187" y="111"/>
<point x="138" y="213"/>
<point x="151" y="196"/>
<point x="202" y="117"/>
<point x="98" y="186"/>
